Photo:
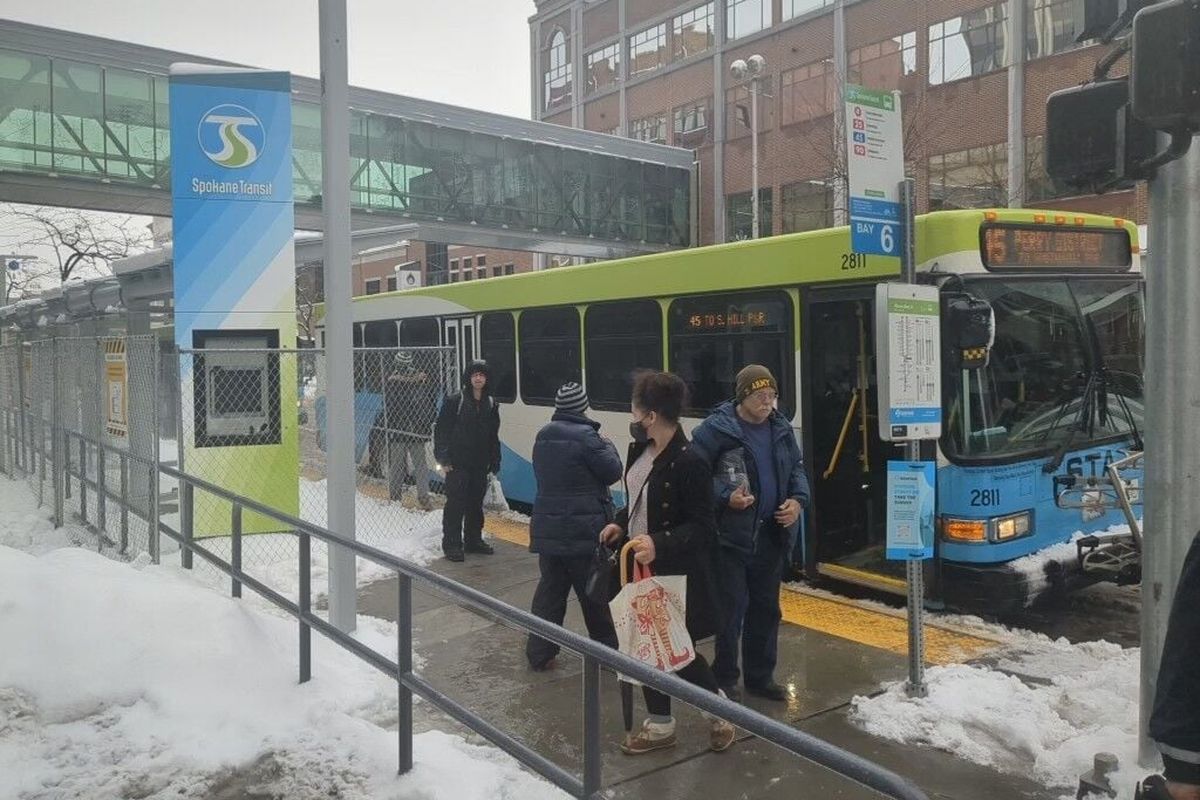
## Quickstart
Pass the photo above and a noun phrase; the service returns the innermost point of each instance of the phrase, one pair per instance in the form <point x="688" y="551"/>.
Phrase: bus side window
<point x="549" y="342"/>
<point x="418" y="332"/>
<point x="497" y="346"/>
<point x="620" y="338"/>
<point x="712" y="337"/>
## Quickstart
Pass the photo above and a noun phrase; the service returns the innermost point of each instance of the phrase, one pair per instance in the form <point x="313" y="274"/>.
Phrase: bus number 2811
<point x="985" y="497"/>
<point x="854" y="261"/>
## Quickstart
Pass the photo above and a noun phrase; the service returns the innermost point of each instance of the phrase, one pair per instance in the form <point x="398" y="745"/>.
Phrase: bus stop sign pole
<point x="914" y="567"/>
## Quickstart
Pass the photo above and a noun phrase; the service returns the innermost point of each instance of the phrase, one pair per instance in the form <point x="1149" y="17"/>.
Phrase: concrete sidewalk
<point x="843" y="650"/>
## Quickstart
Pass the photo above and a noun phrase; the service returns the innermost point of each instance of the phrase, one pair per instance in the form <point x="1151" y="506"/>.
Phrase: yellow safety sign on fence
<point x="116" y="378"/>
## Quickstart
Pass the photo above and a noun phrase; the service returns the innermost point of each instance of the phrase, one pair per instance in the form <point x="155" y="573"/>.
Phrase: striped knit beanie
<point x="572" y="399"/>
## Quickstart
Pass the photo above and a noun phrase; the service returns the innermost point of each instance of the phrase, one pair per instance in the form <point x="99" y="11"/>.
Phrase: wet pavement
<point x="830" y="651"/>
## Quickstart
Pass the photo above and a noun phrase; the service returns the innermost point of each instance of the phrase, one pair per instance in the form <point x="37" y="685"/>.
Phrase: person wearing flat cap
<point x="760" y="490"/>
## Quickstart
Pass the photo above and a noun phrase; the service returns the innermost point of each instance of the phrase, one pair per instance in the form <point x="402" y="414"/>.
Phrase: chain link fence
<point x="250" y="420"/>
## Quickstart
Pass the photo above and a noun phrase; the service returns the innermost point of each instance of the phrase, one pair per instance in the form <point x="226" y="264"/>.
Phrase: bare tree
<point x="25" y="281"/>
<point x="308" y="294"/>
<point x="78" y="242"/>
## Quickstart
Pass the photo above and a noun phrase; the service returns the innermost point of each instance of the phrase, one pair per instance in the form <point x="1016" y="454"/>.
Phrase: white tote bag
<point x="650" y="614"/>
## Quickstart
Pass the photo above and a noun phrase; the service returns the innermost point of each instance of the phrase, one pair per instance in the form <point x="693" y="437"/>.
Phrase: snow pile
<point x="133" y="683"/>
<point x="26" y="527"/>
<point x="1049" y="731"/>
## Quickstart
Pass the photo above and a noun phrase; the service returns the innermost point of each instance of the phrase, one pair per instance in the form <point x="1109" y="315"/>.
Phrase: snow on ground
<point x="26" y="527"/>
<point x="127" y="681"/>
<point x="1077" y="700"/>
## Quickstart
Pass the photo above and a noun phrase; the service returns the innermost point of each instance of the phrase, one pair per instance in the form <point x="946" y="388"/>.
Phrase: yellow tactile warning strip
<point x="507" y="529"/>
<point x="847" y="620"/>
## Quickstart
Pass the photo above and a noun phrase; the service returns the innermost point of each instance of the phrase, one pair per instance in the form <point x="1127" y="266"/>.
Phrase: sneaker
<point x="482" y="548"/>
<point x="721" y="735"/>
<point x="1153" y="787"/>
<point x="770" y="690"/>
<point x="653" y="736"/>
<point x="455" y="556"/>
<point x="732" y="692"/>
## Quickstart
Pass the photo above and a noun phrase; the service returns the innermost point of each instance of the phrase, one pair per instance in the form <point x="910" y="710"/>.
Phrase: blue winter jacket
<point x="574" y="467"/>
<point x="719" y="440"/>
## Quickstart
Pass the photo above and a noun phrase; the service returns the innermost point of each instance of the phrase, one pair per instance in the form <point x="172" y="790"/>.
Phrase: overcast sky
<point x="471" y="53"/>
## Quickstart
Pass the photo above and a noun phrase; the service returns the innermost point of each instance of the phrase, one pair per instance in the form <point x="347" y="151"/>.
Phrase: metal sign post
<point x="909" y="379"/>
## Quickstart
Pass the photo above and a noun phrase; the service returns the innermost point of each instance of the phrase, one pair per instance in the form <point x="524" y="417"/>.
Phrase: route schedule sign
<point x="908" y="363"/>
<point x="875" y="159"/>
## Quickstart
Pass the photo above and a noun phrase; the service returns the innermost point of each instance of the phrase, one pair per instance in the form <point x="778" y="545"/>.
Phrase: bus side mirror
<point x="970" y="329"/>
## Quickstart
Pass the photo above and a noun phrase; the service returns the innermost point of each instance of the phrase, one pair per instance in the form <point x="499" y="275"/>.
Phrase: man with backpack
<point x="466" y="443"/>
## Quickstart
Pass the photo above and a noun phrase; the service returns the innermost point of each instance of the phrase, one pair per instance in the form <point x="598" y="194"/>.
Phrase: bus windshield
<point x="1065" y="370"/>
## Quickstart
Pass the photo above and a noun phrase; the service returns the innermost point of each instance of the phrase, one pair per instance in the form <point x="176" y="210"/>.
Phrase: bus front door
<point x="847" y="460"/>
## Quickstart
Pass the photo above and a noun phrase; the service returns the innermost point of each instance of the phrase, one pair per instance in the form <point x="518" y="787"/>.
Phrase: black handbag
<point x="602" y="575"/>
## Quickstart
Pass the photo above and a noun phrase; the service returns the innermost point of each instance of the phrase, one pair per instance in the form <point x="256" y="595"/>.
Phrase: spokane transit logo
<point x="231" y="136"/>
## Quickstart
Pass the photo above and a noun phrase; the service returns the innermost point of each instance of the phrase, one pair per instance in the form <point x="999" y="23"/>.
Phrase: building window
<point x="1038" y="184"/>
<point x="744" y="17"/>
<point x="372" y="286"/>
<point x="481" y="273"/>
<point x="454" y="265"/>
<point x="557" y="82"/>
<point x="807" y="92"/>
<point x="481" y="261"/>
<point x="650" y="129"/>
<point x="794" y="8"/>
<point x="739" y="215"/>
<point x="648" y="49"/>
<point x="603" y="67"/>
<point x="498" y="347"/>
<point x="974" y="178"/>
<point x="393" y="283"/>
<point x="884" y="64"/>
<point x="621" y="339"/>
<point x="549" y="352"/>
<point x="466" y="274"/>
<point x="466" y="263"/>
<point x="1050" y="27"/>
<point x="714" y="336"/>
<point x="972" y="44"/>
<point x="806" y="206"/>
<point x="692" y="32"/>
<point x="737" y="108"/>
<point x="508" y="269"/>
<point x="691" y="124"/>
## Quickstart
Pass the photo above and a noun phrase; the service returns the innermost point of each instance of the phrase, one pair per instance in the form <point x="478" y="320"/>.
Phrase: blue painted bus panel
<point x="985" y="492"/>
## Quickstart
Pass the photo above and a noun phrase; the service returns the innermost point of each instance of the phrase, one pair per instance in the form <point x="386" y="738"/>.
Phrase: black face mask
<point x="639" y="433"/>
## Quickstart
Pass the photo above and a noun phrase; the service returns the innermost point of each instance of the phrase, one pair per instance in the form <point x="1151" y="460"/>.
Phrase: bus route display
<point x="1031" y="247"/>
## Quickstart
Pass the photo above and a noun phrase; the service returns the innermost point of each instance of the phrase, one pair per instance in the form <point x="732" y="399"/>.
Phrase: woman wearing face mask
<point x="669" y="518"/>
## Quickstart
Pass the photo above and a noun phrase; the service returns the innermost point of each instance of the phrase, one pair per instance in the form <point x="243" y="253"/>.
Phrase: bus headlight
<point x="964" y="530"/>
<point x="1013" y="526"/>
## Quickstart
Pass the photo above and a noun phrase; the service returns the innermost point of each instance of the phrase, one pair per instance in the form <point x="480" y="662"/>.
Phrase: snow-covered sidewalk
<point x="122" y="680"/>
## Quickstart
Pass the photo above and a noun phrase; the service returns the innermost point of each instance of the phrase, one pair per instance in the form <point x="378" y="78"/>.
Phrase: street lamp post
<point x="752" y="68"/>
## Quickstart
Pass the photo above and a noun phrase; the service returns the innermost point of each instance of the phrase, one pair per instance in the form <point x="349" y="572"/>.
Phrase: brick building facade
<point x="659" y="70"/>
<point x="380" y="270"/>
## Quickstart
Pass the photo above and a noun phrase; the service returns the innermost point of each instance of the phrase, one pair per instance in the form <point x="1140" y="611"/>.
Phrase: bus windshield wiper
<point x="1081" y="417"/>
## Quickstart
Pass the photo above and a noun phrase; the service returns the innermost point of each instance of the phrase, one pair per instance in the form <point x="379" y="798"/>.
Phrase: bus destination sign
<point x="1038" y="247"/>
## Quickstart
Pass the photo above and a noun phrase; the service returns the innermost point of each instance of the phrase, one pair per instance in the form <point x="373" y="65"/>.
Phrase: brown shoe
<point x="653" y="736"/>
<point x="721" y="735"/>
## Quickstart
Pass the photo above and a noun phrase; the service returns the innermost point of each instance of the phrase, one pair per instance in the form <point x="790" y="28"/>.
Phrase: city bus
<point x="1058" y="396"/>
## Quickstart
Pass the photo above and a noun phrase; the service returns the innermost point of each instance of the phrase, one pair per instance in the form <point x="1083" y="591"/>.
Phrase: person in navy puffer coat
<point x="574" y="466"/>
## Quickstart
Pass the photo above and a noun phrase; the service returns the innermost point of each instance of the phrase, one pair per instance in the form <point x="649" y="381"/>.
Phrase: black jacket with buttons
<point x="679" y="517"/>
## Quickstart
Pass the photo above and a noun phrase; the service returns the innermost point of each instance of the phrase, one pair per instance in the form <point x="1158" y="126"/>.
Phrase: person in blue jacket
<point x="574" y="466"/>
<point x="760" y="491"/>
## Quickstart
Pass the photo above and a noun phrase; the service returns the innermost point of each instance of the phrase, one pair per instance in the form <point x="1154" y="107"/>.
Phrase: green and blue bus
<point x="1059" y="397"/>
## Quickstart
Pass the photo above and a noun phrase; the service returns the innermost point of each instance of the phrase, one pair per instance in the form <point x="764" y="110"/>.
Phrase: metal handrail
<point x="594" y="654"/>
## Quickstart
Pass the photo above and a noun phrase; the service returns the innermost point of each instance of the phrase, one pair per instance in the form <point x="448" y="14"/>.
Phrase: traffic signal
<point x="1092" y="141"/>
<point x="1165" y="68"/>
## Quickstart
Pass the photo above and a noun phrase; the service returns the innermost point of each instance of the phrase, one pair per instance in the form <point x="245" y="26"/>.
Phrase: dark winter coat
<point x="1175" y="720"/>
<point x="719" y="441"/>
<point x="679" y="516"/>
<point x="467" y="433"/>
<point x="574" y="467"/>
<point x="410" y="407"/>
